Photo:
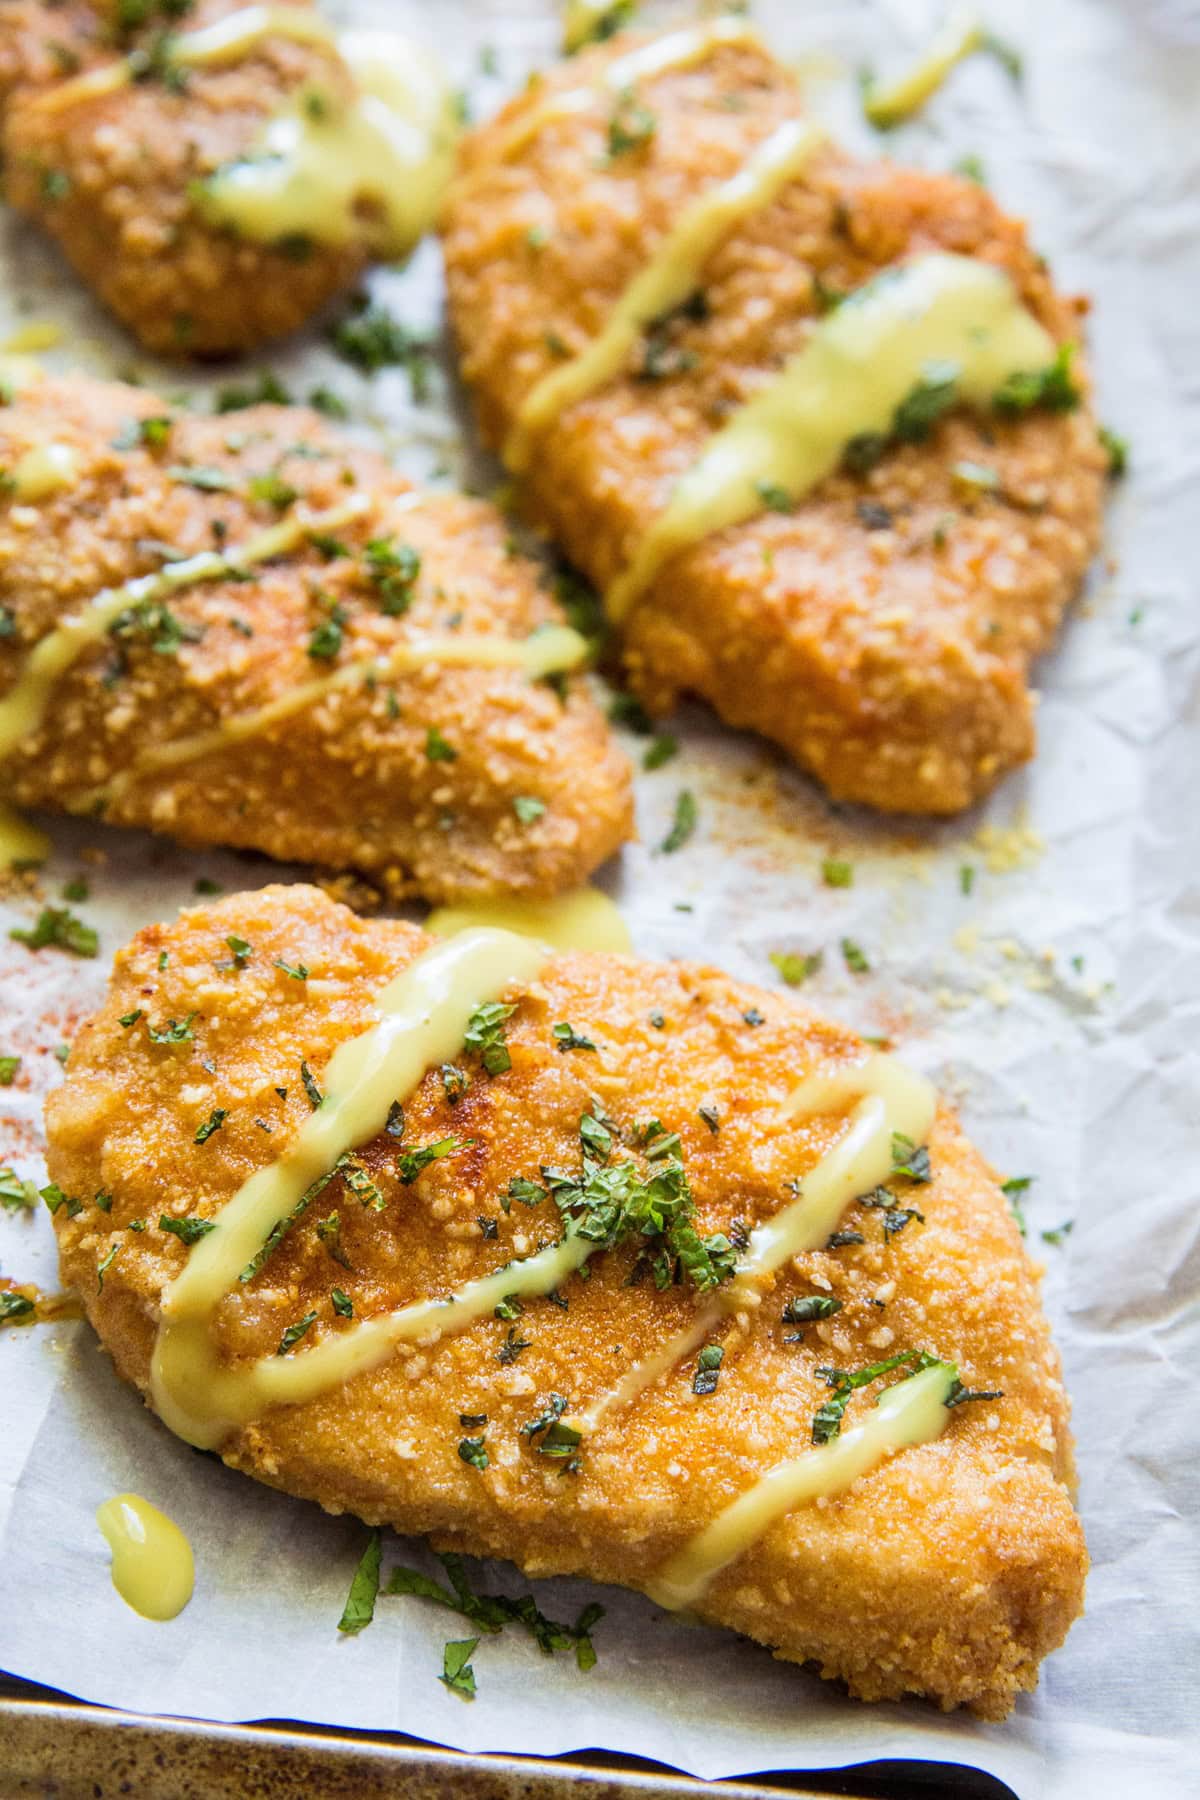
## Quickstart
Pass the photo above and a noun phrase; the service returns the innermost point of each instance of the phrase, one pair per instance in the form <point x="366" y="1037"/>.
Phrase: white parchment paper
<point x="1058" y="1000"/>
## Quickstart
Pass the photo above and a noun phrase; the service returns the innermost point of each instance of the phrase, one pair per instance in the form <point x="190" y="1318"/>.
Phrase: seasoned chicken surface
<point x="882" y="628"/>
<point x="948" y="1570"/>
<point x="440" y="780"/>
<point x="116" y="175"/>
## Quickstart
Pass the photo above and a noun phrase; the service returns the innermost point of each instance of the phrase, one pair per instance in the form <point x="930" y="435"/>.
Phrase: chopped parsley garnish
<point x="1053" y="388"/>
<point x="130" y="1018"/>
<point x="962" y="1396"/>
<point x="14" y="1306"/>
<point x="9" y="1066"/>
<point x="437" y="748"/>
<point x="209" y="481"/>
<point x="297" y="971"/>
<point x="415" y="1162"/>
<point x="267" y="390"/>
<point x="966" y="878"/>
<point x="54" y="1197"/>
<point x="315" y="1096"/>
<point x="708" y="1369"/>
<point x="509" y="1308"/>
<point x="555" y="1439"/>
<point x="827" y="1422"/>
<point x="1117" y="450"/>
<point x="528" y="808"/>
<point x="683" y="823"/>
<point x="342" y="1304"/>
<point x="329" y="1233"/>
<point x="455" y="1082"/>
<point x="473" y="1450"/>
<point x="486" y="1036"/>
<point x="58" y="928"/>
<point x="325" y="640"/>
<point x="188" y="1230"/>
<point x="16" y="1194"/>
<point x="837" y="873"/>
<point x="324" y="400"/>
<point x="359" y="1182"/>
<point x="610" y="1203"/>
<point x="214" y="1122"/>
<point x="273" y="490"/>
<point x="492" y="1612"/>
<point x="392" y="569"/>
<point x="359" y="1609"/>
<point x="631" y="125"/>
<point x="512" y="1346"/>
<point x="774" y="498"/>
<point x="567" y="1038"/>
<point x="854" y="958"/>
<point x="104" y="1265"/>
<point x="370" y="339"/>
<point x="295" y="1332"/>
<point x="795" y="968"/>
<point x="806" y="1307"/>
<point x="457" y="1673"/>
<point x="1058" y="1234"/>
<point x="711" y="1117"/>
<point x="910" y="1159"/>
<point x="839" y="1240"/>
<point x="152" y="432"/>
<point x="659" y="751"/>
<point x="241" y="953"/>
<point x="753" y="1017"/>
<point x="934" y="395"/>
<point x="175" y="1031"/>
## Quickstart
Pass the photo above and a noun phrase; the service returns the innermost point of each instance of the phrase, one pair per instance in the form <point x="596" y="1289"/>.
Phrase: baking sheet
<point x="1057" y="1000"/>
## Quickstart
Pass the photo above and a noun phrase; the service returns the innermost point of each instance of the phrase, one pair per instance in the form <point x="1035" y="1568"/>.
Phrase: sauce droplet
<point x="583" y="920"/>
<point x="152" y="1565"/>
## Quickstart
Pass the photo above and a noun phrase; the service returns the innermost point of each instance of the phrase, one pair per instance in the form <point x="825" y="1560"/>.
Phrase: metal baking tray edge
<point x="62" y="1749"/>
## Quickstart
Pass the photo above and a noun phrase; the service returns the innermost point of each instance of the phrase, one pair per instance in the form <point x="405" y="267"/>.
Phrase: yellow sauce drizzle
<point x="583" y="920"/>
<point x="20" y="842"/>
<point x="371" y="170"/>
<point x="909" y="1412"/>
<point x="152" y="1565"/>
<point x="888" y="1098"/>
<point x="424" y="1017"/>
<point x="39" y="334"/>
<point x="859" y="364"/>
<point x="678" y="50"/>
<point x="23" y="707"/>
<point x="225" y="40"/>
<point x="47" y="469"/>
<point x="553" y="650"/>
<point x="887" y="103"/>
<point x="666" y="281"/>
<point x="235" y="36"/>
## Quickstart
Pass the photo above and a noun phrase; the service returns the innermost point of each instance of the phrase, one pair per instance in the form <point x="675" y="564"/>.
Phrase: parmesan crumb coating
<point x="948" y="1571"/>
<point x="882" y="629"/>
<point x="110" y="175"/>
<point x="412" y="778"/>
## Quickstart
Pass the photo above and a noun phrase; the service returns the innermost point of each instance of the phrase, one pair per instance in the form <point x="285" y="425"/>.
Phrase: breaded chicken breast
<point x="216" y="191"/>
<point x="247" y="630"/>
<point x="879" y="618"/>
<point x="658" y="1129"/>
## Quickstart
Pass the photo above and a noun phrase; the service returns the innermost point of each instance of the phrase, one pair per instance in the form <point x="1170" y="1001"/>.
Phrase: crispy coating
<point x="949" y="1571"/>
<point x="109" y="177"/>
<point x="347" y="781"/>
<point x="890" y="659"/>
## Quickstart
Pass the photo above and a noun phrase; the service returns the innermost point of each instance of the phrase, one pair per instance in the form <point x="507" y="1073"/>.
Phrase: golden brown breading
<point x="891" y="659"/>
<point x="949" y="1571"/>
<point x="347" y="781"/>
<point x="109" y="176"/>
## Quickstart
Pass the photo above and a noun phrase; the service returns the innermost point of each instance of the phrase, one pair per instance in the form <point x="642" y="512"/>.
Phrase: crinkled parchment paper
<point x="1058" y="1000"/>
